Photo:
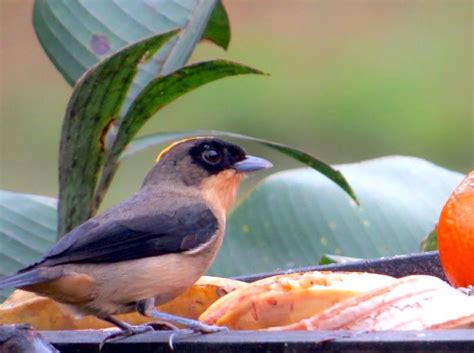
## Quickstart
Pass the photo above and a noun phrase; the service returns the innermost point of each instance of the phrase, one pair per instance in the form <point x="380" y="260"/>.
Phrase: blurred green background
<point x="350" y="80"/>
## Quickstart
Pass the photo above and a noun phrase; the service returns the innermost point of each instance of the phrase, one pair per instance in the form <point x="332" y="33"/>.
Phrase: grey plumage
<point x="28" y="277"/>
<point x="151" y="247"/>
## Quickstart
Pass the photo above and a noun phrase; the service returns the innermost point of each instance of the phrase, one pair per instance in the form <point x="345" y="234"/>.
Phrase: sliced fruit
<point x="284" y="299"/>
<point x="46" y="314"/>
<point x="410" y="303"/>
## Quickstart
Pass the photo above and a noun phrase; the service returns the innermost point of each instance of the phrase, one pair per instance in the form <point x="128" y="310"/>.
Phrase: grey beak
<point x="252" y="164"/>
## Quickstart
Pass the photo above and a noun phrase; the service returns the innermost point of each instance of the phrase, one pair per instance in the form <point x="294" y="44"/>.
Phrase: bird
<point x="151" y="247"/>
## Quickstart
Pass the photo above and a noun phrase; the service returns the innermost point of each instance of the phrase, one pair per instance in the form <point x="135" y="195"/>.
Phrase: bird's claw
<point x="130" y="331"/>
<point x="198" y="328"/>
<point x="203" y="328"/>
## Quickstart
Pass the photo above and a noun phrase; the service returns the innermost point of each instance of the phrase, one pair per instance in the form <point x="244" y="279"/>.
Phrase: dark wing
<point x="151" y="235"/>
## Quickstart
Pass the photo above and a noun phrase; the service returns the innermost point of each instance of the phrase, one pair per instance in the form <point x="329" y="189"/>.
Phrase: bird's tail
<point x="29" y="277"/>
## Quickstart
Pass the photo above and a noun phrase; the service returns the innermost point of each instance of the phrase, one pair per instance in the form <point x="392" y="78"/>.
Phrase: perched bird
<point x="151" y="247"/>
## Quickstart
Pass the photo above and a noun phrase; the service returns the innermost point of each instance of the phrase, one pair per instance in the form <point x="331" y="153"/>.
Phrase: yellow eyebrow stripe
<point x="174" y="144"/>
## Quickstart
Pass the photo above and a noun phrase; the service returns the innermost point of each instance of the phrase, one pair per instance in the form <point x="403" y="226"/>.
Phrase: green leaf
<point x="327" y="259"/>
<point x="315" y="163"/>
<point x="430" y="242"/>
<point x="218" y="27"/>
<point x="295" y="217"/>
<point x="27" y="230"/>
<point x="91" y="113"/>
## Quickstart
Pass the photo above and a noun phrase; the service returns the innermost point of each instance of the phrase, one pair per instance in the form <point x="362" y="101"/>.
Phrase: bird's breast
<point x="220" y="191"/>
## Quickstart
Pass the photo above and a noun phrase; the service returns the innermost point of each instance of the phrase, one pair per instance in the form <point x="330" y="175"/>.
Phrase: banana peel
<point x="416" y="302"/>
<point x="285" y="299"/>
<point x="45" y="314"/>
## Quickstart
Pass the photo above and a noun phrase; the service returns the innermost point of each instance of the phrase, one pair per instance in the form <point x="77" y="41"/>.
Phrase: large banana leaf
<point x="295" y="217"/>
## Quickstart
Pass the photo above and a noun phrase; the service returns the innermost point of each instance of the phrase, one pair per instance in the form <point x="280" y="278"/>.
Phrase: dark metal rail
<point x="272" y="342"/>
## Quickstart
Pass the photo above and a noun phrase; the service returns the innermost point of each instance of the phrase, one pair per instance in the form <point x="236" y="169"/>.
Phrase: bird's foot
<point x="129" y="331"/>
<point x="147" y="308"/>
<point x="195" y="327"/>
<point x="199" y="327"/>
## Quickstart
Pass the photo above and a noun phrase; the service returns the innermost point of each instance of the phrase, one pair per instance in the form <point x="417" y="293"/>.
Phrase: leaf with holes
<point x="295" y="217"/>
<point x="78" y="34"/>
<point x="27" y="230"/>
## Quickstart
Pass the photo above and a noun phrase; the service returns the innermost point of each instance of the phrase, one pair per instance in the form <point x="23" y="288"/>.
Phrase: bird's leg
<point x="147" y="308"/>
<point x="126" y="330"/>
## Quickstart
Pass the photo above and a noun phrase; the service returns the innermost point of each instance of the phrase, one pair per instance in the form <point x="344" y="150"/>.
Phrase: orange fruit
<point x="456" y="234"/>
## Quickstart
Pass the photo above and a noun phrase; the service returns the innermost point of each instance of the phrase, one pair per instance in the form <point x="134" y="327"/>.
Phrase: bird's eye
<point x="211" y="156"/>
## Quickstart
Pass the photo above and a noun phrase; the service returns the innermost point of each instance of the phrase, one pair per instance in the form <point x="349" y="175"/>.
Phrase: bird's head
<point x="214" y="166"/>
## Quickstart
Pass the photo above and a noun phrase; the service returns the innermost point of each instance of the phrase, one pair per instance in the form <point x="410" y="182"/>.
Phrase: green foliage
<point x="293" y="218"/>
